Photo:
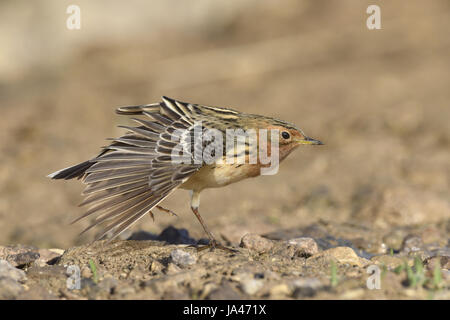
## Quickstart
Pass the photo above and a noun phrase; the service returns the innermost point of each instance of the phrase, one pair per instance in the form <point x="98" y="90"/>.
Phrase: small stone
<point x="19" y="255"/>
<point x="342" y="255"/>
<point x="305" y="247"/>
<point x="57" y="251"/>
<point x="251" y="286"/>
<point x="23" y="258"/>
<point x="387" y="260"/>
<point x="444" y="262"/>
<point x="86" y="272"/>
<point x="182" y="258"/>
<point x="207" y="289"/>
<point x="9" y="288"/>
<point x="123" y="275"/>
<point x="8" y="271"/>
<point x="172" y="269"/>
<point x="156" y="266"/>
<point x="280" y="291"/>
<point x="394" y="239"/>
<point x="412" y="243"/>
<point x="353" y="294"/>
<point x="256" y="242"/>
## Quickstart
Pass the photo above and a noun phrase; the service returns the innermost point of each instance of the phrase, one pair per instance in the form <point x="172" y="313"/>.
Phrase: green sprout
<point x="334" y="277"/>
<point x="437" y="275"/>
<point x="416" y="277"/>
<point x="94" y="270"/>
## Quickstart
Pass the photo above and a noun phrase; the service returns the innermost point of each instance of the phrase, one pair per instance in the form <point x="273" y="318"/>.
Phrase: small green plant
<point x="437" y="276"/>
<point x="392" y="252"/>
<point x="384" y="270"/>
<point x="94" y="271"/>
<point x="334" y="277"/>
<point x="399" y="269"/>
<point x="416" y="276"/>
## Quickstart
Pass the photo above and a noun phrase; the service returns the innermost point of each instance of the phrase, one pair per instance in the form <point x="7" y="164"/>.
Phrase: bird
<point x="166" y="151"/>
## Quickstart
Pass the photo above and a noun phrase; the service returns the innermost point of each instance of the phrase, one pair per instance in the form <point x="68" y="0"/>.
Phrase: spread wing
<point x="140" y="169"/>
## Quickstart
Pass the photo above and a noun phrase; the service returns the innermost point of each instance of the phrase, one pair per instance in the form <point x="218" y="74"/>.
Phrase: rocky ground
<point x="316" y="262"/>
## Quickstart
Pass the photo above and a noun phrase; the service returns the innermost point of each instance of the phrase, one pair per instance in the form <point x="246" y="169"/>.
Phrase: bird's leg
<point x="167" y="211"/>
<point x="213" y="243"/>
<point x="200" y="219"/>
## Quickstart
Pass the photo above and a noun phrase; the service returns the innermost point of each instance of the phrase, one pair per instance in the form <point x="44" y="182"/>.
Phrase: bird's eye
<point x="285" y="135"/>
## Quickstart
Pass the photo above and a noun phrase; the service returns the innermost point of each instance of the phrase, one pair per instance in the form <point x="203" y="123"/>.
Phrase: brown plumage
<point x="140" y="169"/>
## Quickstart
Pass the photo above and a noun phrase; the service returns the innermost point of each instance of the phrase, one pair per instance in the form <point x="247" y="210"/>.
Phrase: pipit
<point x="177" y="145"/>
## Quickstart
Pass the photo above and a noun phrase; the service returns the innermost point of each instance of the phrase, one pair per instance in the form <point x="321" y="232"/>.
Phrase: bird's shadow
<point x="169" y="235"/>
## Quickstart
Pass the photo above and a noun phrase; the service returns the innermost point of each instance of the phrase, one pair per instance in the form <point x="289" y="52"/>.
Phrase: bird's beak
<point x="308" y="140"/>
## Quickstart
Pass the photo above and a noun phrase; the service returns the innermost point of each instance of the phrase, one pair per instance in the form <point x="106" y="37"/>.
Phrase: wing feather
<point x="139" y="169"/>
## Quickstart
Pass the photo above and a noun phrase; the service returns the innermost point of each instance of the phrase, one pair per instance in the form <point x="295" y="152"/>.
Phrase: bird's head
<point x="289" y="137"/>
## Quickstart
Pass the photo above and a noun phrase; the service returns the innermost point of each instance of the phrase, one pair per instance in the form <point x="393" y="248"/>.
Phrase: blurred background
<point x="379" y="99"/>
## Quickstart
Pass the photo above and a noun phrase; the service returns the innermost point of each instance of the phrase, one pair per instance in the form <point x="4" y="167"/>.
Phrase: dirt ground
<point x="379" y="99"/>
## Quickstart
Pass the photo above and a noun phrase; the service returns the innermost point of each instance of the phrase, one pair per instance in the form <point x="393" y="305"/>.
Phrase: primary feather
<point x="135" y="172"/>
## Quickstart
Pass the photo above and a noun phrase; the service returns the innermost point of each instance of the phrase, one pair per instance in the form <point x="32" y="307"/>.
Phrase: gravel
<point x="182" y="258"/>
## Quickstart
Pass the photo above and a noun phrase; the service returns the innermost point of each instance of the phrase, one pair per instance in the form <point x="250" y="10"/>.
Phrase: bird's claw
<point x="213" y="244"/>
<point x="167" y="211"/>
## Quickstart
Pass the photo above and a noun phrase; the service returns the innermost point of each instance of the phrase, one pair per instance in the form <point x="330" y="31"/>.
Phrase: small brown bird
<point x="178" y="145"/>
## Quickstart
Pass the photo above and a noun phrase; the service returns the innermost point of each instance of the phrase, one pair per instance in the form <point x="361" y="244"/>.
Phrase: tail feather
<point x="76" y="171"/>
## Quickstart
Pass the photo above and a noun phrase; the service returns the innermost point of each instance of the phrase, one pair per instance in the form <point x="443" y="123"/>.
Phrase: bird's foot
<point x="167" y="211"/>
<point x="214" y="244"/>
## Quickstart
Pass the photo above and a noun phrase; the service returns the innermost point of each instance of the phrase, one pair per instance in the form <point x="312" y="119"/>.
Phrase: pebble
<point x="387" y="260"/>
<point x="182" y="258"/>
<point x="172" y="269"/>
<point x="342" y="255"/>
<point x="255" y="242"/>
<point x="86" y="272"/>
<point x="8" y="271"/>
<point x="156" y="266"/>
<point x="19" y="255"/>
<point x="394" y="239"/>
<point x="412" y="243"/>
<point x="9" y="288"/>
<point x="10" y="277"/>
<point x="251" y="286"/>
<point x="444" y="262"/>
<point x="352" y="294"/>
<point x="280" y="290"/>
<point x="305" y="247"/>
